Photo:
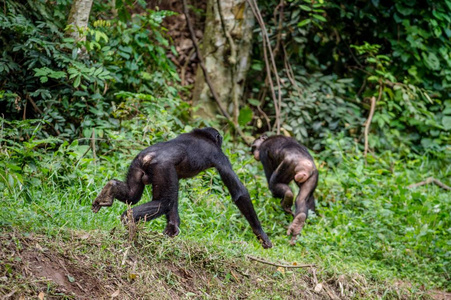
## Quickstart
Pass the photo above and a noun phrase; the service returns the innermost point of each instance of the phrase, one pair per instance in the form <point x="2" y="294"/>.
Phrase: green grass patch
<point x="368" y="223"/>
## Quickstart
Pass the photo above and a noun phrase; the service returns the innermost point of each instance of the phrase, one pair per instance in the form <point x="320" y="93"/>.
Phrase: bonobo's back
<point x="186" y="148"/>
<point x="280" y="144"/>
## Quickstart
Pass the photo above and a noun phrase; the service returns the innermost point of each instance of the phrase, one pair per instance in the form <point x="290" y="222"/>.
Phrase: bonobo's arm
<point x="129" y="192"/>
<point x="240" y="197"/>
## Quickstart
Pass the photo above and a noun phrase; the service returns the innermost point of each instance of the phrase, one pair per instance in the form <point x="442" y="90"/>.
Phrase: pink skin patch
<point x="303" y="170"/>
<point x="301" y="176"/>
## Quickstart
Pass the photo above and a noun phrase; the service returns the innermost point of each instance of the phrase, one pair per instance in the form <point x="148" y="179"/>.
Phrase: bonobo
<point x="162" y="165"/>
<point x="284" y="160"/>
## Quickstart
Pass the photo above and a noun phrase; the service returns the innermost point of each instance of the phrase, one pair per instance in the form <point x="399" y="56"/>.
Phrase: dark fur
<point x="278" y="155"/>
<point x="163" y="164"/>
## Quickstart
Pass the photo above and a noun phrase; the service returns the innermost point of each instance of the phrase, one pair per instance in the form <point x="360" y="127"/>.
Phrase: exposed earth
<point x="96" y="265"/>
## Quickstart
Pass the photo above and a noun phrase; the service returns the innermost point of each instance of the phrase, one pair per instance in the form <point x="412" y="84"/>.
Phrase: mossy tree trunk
<point x="226" y="50"/>
<point x="78" y="18"/>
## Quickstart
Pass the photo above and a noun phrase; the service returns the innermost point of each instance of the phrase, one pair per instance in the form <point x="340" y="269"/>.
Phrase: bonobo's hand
<point x="105" y="198"/>
<point x="264" y="239"/>
<point x="99" y="202"/>
<point x="296" y="227"/>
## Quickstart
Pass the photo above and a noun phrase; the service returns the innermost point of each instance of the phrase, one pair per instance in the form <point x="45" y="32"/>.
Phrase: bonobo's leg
<point x="311" y="203"/>
<point x="129" y="192"/>
<point x="173" y="221"/>
<point x="303" y="203"/>
<point x="241" y="198"/>
<point x="278" y="184"/>
<point x="165" y="193"/>
<point x="284" y="192"/>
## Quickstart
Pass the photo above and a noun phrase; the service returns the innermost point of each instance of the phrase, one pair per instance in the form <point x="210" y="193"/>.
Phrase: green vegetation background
<point x="124" y="95"/>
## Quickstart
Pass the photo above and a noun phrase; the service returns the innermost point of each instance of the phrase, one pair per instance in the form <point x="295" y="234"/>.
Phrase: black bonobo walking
<point x="284" y="160"/>
<point x="162" y="165"/>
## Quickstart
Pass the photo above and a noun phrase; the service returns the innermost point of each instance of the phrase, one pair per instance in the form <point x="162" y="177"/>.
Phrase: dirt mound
<point x="26" y="262"/>
<point x="99" y="265"/>
<point x="78" y="281"/>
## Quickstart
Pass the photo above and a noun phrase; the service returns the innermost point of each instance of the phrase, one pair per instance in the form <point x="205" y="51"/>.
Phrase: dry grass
<point x="79" y="265"/>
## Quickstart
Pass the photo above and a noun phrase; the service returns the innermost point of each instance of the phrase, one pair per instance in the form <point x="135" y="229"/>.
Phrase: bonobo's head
<point x="256" y="145"/>
<point x="212" y="134"/>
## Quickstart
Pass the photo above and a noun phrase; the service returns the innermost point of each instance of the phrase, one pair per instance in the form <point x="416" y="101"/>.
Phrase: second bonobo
<point x="285" y="160"/>
<point x="162" y="165"/>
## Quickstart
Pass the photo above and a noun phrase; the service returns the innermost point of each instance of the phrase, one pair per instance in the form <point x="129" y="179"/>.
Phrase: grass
<point x="369" y="228"/>
<point x="98" y="264"/>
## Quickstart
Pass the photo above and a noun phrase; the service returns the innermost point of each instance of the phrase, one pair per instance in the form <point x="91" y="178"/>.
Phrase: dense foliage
<point x="335" y="56"/>
<point x="77" y="87"/>
<point x="75" y="114"/>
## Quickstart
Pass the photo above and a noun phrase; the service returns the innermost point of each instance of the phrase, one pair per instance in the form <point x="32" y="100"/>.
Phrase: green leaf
<point x="57" y="74"/>
<point x="404" y="10"/>
<point x="41" y="71"/>
<point x="304" y="22"/>
<point x="253" y="102"/>
<point x="319" y="17"/>
<point x="431" y="61"/>
<point x="446" y="121"/>
<point x="77" y="81"/>
<point x="245" y="116"/>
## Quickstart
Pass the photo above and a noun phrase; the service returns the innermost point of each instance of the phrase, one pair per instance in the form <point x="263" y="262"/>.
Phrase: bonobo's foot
<point x="171" y="230"/>
<point x="296" y="227"/>
<point x="105" y="198"/>
<point x="264" y="240"/>
<point x="287" y="203"/>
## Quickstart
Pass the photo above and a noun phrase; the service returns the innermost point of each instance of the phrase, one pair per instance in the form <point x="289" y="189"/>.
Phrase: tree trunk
<point x="78" y="18"/>
<point x="226" y="51"/>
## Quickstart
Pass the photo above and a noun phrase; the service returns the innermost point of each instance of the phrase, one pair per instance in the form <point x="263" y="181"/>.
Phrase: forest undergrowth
<point x="369" y="226"/>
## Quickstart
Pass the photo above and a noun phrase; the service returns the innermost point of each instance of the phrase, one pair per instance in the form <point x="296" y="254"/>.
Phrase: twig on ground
<point x="125" y="256"/>
<point x="278" y="265"/>
<point x="315" y="279"/>
<point x="429" y="181"/>
<point x="330" y="293"/>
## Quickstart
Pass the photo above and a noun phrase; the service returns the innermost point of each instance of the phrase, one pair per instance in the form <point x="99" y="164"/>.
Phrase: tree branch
<point x="267" y="46"/>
